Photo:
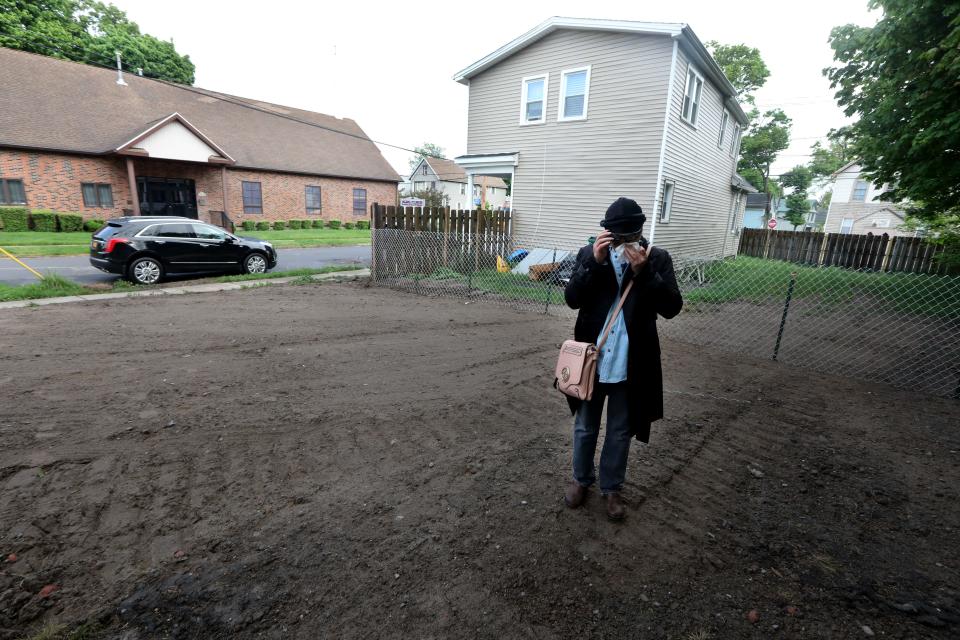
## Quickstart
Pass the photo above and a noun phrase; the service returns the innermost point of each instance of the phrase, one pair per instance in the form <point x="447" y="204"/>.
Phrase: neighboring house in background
<point x="754" y="217"/>
<point x="854" y="208"/>
<point x="579" y="112"/>
<point x="73" y="139"/>
<point x="447" y="177"/>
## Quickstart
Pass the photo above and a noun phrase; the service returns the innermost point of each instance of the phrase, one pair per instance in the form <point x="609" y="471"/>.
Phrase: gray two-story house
<point x="578" y="112"/>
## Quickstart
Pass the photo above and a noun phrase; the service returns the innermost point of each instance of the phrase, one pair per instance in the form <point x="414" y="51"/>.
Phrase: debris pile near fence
<point x="897" y="327"/>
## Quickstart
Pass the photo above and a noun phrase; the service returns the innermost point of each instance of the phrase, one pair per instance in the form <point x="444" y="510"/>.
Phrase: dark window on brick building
<point x="359" y="202"/>
<point x="252" y="198"/>
<point x="313" y="200"/>
<point x="97" y="195"/>
<point x="11" y="192"/>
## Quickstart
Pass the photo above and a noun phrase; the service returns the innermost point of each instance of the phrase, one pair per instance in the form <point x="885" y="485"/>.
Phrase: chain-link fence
<point x="898" y="328"/>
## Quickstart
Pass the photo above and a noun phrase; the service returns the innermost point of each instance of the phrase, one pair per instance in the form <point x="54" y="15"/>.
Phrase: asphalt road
<point x="78" y="267"/>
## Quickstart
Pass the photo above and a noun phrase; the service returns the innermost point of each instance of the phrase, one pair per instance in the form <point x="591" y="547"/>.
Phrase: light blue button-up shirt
<point x="612" y="361"/>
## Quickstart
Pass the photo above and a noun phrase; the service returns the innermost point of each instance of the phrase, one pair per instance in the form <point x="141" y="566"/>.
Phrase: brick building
<point x="73" y="139"/>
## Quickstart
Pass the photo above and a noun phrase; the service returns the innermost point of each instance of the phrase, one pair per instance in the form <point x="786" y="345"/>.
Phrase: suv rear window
<point x="111" y="229"/>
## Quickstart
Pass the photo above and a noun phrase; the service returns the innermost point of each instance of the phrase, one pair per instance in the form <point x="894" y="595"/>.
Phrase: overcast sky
<point x="390" y="66"/>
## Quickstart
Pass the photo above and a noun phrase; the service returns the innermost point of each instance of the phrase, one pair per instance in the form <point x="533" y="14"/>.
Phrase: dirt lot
<point x="336" y="461"/>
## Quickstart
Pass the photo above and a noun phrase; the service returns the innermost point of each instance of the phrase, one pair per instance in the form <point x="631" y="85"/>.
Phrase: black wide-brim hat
<point x="624" y="216"/>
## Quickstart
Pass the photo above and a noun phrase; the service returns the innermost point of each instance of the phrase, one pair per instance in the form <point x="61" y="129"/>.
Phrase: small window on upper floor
<point x="424" y="169"/>
<point x="533" y="103"/>
<point x="666" y="202"/>
<point x="691" y="96"/>
<point x="574" y="92"/>
<point x="860" y="191"/>
<point x="723" y="128"/>
<point x="735" y="142"/>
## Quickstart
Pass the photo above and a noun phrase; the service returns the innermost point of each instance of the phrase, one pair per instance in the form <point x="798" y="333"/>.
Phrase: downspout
<point x="663" y="143"/>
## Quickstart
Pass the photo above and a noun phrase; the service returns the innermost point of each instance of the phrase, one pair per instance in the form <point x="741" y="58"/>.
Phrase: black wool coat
<point x="593" y="290"/>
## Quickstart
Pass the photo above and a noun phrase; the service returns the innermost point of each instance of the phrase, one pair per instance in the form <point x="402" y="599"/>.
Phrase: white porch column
<point x="470" y="190"/>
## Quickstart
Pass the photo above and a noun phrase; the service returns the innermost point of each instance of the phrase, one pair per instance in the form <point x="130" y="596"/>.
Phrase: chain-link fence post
<point x="783" y="318"/>
<point x="553" y="263"/>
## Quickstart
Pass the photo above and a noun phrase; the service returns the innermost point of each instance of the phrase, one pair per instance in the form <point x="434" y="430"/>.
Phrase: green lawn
<point x="758" y="281"/>
<point x="55" y="286"/>
<point x="43" y="243"/>
<point x="299" y="238"/>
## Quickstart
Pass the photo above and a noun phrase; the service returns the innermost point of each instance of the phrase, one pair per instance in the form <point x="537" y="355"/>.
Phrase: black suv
<point x="144" y="249"/>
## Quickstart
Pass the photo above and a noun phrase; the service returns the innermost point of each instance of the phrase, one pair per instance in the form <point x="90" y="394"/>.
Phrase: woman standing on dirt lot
<point x="628" y="368"/>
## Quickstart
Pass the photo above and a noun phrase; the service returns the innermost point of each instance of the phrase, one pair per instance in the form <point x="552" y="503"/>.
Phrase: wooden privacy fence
<point x="853" y="251"/>
<point x="409" y="240"/>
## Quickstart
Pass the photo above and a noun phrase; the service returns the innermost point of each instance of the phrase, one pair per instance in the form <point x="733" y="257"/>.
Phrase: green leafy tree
<point x="799" y="180"/>
<point x="899" y="78"/>
<point x="766" y="137"/>
<point x="797" y="208"/>
<point x="825" y="159"/>
<point x="90" y="32"/>
<point x="431" y="197"/>
<point x="426" y="150"/>
<point x="742" y="65"/>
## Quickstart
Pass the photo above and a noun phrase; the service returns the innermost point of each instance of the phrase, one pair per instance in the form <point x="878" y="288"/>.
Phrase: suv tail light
<point x="112" y="242"/>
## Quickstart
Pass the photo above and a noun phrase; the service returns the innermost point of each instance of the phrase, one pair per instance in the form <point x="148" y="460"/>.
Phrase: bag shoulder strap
<point x="616" y="313"/>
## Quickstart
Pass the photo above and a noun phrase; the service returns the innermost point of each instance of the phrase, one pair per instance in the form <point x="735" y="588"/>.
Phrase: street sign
<point x="772" y="223"/>
<point x="413" y="202"/>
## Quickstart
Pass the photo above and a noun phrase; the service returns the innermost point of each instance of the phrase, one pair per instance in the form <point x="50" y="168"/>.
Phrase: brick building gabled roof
<point x="57" y="105"/>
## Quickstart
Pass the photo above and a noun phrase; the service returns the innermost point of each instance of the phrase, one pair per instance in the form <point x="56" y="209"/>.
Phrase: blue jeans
<point x="616" y="444"/>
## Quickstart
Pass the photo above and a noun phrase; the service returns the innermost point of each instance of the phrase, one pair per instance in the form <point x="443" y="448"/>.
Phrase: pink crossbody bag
<point x="577" y="365"/>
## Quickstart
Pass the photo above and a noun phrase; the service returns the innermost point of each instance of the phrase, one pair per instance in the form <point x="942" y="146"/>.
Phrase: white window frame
<point x="463" y="188"/>
<point x="724" y="121"/>
<point x="523" y="99"/>
<point x="735" y="142"/>
<point x="849" y="230"/>
<point x="866" y="189"/>
<point x="737" y="199"/>
<point x="694" y="113"/>
<point x="561" y="110"/>
<point x="666" y="207"/>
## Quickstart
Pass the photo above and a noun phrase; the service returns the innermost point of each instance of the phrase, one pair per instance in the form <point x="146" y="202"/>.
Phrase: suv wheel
<point x="255" y="263"/>
<point x="145" y="271"/>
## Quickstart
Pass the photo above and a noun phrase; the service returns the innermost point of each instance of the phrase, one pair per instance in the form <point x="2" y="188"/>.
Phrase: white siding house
<point x="449" y="178"/>
<point x="580" y="112"/>
<point x="855" y="209"/>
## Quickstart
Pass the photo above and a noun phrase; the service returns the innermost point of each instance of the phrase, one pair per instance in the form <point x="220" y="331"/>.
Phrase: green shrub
<point x="263" y="225"/>
<point x="93" y="225"/>
<point x="279" y="225"/>
<point x="15" y="218"/>
<point x="306" y="224"/>
<point x="348" y="225"/>
<point x="294" y="224"/>
<point x="333" y="224"/>
<point x="318" y="224"/>
<point x="248" y="225"/>
<point x="363" y="224"/>
<point x="43" y="220"/>
<point x="70" y="221"/>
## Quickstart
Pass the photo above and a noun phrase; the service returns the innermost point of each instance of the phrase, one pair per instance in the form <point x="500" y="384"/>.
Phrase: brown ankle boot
<point x="575" y="494"/>
<point x="615" y="509"/>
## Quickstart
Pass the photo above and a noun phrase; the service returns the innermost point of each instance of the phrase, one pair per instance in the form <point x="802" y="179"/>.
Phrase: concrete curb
<point x="208" y="287"/>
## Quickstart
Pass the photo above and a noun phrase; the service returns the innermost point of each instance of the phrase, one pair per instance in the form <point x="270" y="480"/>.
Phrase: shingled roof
<point x="57" y="105"/>
<point x="450" y="171"/>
